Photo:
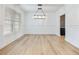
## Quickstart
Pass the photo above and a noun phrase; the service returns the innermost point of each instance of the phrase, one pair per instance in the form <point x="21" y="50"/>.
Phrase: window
<point x="17" y="22"/>
<point x="11" y="21"/>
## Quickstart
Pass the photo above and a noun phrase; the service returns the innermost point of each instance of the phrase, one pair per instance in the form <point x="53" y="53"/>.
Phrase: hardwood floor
<point x="40" y="45"/>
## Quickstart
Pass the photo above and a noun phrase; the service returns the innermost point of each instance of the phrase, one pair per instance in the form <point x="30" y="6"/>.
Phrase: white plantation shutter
<point x="11" y="21"/>
<point x="17" y="22"/>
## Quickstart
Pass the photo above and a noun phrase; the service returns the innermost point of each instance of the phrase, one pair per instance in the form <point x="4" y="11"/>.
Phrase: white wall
<point x="1" y="26"/>
<point x="36" y="26"/>
<point x="71" y="23"/>
<point x="6" y="39"/>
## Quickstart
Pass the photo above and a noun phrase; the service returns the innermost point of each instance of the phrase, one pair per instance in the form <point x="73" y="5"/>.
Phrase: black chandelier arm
<point x="43" y="12"/>
<point x="35" y="13"/>
<point x="39" y="16"/>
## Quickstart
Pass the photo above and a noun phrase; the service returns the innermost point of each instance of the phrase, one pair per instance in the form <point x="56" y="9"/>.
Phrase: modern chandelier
<point x="39" y="14"/>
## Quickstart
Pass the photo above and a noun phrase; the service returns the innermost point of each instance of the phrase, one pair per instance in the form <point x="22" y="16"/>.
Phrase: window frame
<point x="12" y="19"/>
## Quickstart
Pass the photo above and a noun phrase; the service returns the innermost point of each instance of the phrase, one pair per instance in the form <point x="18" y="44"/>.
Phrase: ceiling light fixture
<point x="39" y="14"/>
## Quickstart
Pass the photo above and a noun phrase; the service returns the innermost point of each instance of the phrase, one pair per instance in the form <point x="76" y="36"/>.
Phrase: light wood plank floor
<point x="40" y="45"/>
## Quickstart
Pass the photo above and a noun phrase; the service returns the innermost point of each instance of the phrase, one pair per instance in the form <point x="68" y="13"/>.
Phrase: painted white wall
<point x="1" y="26"/>
<point x="6" y="39"/>
<point x="36" y="26"/>
<point x="71" y="23"/>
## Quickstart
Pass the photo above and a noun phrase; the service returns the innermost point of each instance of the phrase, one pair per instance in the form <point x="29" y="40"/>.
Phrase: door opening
<point x="62" y="25"/>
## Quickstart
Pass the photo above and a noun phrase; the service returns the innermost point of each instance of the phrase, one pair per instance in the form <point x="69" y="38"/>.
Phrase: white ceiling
<point x="46" y="7"/>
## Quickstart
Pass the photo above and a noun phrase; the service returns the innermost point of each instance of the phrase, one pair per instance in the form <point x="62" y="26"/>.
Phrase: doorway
<point x="62" y="25"/>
